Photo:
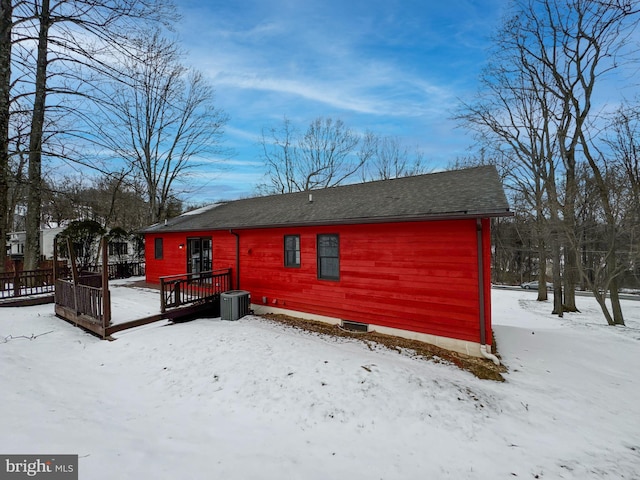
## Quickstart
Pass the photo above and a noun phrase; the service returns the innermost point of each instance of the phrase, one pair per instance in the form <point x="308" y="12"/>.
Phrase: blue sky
<point x="395" y="67"/>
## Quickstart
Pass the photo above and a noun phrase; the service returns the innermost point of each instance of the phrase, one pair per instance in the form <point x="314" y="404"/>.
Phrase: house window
<point x="292" y="250"/>
<point x="118" y="248"/>
<point x="328" y="257"/>
<point x="158" y="249"/>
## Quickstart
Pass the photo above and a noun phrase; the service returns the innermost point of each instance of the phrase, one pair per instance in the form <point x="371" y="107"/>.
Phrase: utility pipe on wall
<point x="483" y="335"/>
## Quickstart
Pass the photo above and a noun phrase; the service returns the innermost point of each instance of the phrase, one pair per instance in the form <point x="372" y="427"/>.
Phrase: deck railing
<point x="121" y="270"/>
<point x="82" y="299"/>
<point x="26" y="282"/>
<point x="179" y="290"/>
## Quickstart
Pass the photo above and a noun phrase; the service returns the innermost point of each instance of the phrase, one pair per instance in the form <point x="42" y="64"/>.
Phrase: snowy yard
<point x="257" y="400"/>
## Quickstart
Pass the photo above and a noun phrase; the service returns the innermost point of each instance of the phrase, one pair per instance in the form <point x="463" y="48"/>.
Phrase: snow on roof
<point x="200" y="210"/>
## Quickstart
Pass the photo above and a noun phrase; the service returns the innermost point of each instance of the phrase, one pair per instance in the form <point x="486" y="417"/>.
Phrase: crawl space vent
<point x="355" y="326"/>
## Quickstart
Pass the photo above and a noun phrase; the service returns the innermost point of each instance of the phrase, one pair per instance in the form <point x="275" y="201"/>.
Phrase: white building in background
<point x="17" y="240"/>
<point x="119" y="251"/>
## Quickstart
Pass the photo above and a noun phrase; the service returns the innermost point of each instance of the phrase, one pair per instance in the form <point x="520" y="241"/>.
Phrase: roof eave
<point x="346" y="221"/>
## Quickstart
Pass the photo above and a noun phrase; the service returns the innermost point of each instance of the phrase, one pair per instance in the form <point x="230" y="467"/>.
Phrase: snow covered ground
<point x="257" y="400"/>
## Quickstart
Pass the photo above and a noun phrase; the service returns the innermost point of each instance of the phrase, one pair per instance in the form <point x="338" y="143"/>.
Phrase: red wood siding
<point x="174" y="258"/>
<point x="417" y="276"/>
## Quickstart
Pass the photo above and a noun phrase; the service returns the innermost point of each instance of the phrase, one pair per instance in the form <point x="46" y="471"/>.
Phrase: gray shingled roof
<point x="473" y="192"/>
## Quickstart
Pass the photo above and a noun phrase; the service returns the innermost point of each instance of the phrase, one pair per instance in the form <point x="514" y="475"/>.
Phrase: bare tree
<point x="592" y="36"/>
<point x="387" y="157"/>
<point x="280" y="155"/>
<point x="578" y="42"/>
<point x="513" y="118"/>
<point x="34" y="192"/>
<point x="327" y="154"/>
<point x="117" y="202"/>
<point x="110" y="200"/>
<point x="562" y="50"/>
<point x="6" y="24"/>
<point x="625" y="147"/>
<point x="612" y="167"/>
<point x="161" y="121"/>
<point x="68" y="32"/>
<point x="62" y="202"/>
<point x="18" y="163"/>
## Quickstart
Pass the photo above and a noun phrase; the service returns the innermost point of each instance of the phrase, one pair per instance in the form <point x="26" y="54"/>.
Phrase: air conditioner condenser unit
<point x="234" y="304"/>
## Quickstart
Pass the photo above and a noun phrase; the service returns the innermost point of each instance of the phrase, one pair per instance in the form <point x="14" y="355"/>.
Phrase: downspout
<point x="237" y="235"/>
<point x="483" y="335"/>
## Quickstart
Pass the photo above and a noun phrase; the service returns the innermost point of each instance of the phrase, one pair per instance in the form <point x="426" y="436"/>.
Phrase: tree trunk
<point x="557" y="275"/>
<point x="554" y="224"/>
<point x="6" y="12"/>
<point x="611" y="259"/>
<point x="601" y="298"/>
<point x="555" y="252"/>
<point x="571" y="275"/>
<point x="601" y="295"/>
<point x="542" y="274"/>
<point x="613" y="272"/>
<point x="542" y="248"/>
<point x="618" y="318"/>
<point x="34" y="194"/>
<point x="570" y="252"/>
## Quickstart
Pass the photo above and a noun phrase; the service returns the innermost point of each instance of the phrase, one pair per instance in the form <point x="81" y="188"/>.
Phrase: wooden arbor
<point x="85" y="300"/>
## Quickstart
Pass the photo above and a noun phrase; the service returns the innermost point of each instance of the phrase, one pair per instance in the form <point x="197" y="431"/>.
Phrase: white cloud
<point x="308" y="55"/>
<point x="376" y="89"/>
<point x="395" y="69"/>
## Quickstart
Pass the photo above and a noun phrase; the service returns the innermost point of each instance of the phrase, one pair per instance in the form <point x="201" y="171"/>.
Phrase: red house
<point x="409" y="257"/>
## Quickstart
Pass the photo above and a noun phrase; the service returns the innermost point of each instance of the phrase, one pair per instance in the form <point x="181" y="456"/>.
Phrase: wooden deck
<point x="180" y="298"/>
<point x="193" y="288"/>
<point x="26" y="283"/>
<point x="27" y="301"/>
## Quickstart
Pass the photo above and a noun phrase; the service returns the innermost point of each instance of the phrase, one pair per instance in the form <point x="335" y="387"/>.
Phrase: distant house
<point x="17" y="240"/>
<point x="409" y="257"/>
<point x="121" y="250"/>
